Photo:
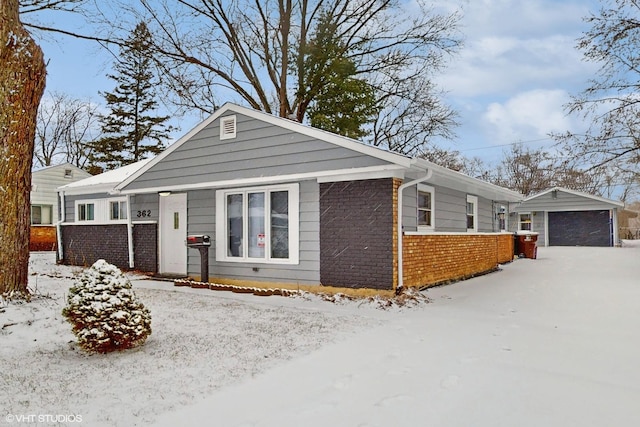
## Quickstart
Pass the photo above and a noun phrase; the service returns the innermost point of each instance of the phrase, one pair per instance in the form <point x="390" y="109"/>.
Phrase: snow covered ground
<point x="547" y="342"/>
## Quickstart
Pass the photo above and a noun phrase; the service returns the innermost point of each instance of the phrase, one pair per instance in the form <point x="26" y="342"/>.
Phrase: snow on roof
<point x="104" y="182"/>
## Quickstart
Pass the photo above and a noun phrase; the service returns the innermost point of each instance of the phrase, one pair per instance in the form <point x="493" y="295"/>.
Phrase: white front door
<point x="173" y="233"/>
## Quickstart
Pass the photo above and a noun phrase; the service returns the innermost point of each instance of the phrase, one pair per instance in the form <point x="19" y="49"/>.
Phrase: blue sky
<point x="509" y="83"/>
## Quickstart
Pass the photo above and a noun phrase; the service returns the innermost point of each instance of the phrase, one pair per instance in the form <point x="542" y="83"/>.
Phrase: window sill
<point x="258" y="261"/>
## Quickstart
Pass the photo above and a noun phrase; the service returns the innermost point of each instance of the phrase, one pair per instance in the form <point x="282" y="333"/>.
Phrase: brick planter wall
<point x="435" y="259"/>
<point x="356" y="234"/>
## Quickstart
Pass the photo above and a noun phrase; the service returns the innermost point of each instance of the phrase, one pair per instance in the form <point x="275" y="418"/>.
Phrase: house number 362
<point x="144" y="214"/>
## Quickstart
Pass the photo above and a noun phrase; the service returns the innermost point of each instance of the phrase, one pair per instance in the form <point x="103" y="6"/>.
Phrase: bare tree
<point x="22" y="80"/>
<point x="65" y="127"/>
<point x="610" y="103"/>
<point x="531" y="171"/>
<point x="450" y="159"/>
<point x="253" y="52"/>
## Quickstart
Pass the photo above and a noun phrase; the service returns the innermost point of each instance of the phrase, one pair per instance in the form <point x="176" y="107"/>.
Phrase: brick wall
<point x="145" y="244"/>
<point x="434" y="259"/>
<point x="42" y="238"/>
<point x="85" y="244"/>
<point x="356" y="234"/>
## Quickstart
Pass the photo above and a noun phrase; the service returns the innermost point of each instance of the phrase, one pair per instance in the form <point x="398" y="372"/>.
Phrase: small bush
<point x="104" y="311"/>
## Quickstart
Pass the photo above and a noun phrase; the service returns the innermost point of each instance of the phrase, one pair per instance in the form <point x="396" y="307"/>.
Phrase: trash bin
<point x="526" y="244"/>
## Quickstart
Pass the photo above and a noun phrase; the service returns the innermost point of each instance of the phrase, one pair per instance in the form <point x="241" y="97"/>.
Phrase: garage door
<point x="579" y="228"/>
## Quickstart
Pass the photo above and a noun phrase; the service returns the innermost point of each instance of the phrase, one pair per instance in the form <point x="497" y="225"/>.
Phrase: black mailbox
<point x="202" y="243"/>
<point x="197" y="240"/>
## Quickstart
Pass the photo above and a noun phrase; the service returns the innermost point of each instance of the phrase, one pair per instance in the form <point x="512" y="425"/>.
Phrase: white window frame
<point x="520" y="221"/>
<point x="422" y="188"/>
<point x="85" y="203"/>
<point x="474" y="200"/>
<point x="228" y="127"/>
<point x="222" y="231"/>
<point x="101" y="211"/>
<point x="120" y="202"/>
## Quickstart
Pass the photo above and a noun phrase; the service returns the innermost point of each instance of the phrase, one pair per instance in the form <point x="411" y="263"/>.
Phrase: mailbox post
<point x="202" y="243"/>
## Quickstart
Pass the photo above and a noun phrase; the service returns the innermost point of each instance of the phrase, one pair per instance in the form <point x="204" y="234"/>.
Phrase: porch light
<point x="164" y="193"/>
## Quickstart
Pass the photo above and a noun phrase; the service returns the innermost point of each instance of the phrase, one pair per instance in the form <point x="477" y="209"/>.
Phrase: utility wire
<point x="506" y="145"/>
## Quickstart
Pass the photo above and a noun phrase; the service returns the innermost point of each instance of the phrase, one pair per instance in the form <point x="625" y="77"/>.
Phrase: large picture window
<point x="258" y="224"/>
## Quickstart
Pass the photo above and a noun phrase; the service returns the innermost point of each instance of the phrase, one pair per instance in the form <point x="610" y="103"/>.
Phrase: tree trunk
<point x="22" y="81"/>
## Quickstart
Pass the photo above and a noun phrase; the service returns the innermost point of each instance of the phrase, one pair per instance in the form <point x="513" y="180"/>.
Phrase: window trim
<point x="119" y="201"/>
<point x="474" y="200"/>
<point x="84" y="203"/>
<point x="520" y="222"/>
<point x="101" y="211"/>
<point x="422" y="188"/>
<point x="294" y="225"/>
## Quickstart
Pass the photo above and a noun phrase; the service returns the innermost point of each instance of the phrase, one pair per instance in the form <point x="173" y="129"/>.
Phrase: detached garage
<point x="565" y="217"/>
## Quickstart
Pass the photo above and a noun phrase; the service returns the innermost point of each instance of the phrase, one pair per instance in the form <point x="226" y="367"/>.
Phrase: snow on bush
<point x="105" y="312"/>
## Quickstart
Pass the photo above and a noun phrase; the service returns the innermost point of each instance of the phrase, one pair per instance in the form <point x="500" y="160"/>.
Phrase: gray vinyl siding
<point x="450" y="211"/>
<point x="410" y="209"/>
<point x="201" y="214"/>
<point x="485" y="215"/>
<point x="259" y="149"/>
<point x="149" y="203"/>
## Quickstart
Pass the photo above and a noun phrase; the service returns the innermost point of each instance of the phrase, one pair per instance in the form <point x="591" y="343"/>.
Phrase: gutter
<point x="58" y="224"/>
<point x="400" y="233"/>
<point x="130" y="232"/>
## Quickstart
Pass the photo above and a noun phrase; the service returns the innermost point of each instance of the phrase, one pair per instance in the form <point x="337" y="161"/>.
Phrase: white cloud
<point x="528" y="116"/>
<point x="514" y="45"/>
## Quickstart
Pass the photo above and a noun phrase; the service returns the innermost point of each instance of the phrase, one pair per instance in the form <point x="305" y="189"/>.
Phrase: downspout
<point x="59" y="224"/>
<point x="400" y="201"/>
<point x="130" y="232"/>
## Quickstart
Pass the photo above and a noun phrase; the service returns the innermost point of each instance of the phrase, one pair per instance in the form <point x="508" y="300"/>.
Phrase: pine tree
<point x="105" y="312"/>
<point x="131" y="131"/>
<point x="341" y="102"/>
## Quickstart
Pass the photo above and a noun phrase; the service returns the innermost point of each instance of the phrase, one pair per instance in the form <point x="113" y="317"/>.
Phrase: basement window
<point x="228" y="127"/>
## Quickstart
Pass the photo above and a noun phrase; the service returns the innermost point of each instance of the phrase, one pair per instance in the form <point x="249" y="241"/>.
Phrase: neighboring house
<point x="291" y="206"/>
<point x="565" y="217"/>
<point x="44" y="202"/>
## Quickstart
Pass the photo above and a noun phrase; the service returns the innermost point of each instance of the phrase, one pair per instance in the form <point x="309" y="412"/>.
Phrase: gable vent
<point x="228" y="127"/>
